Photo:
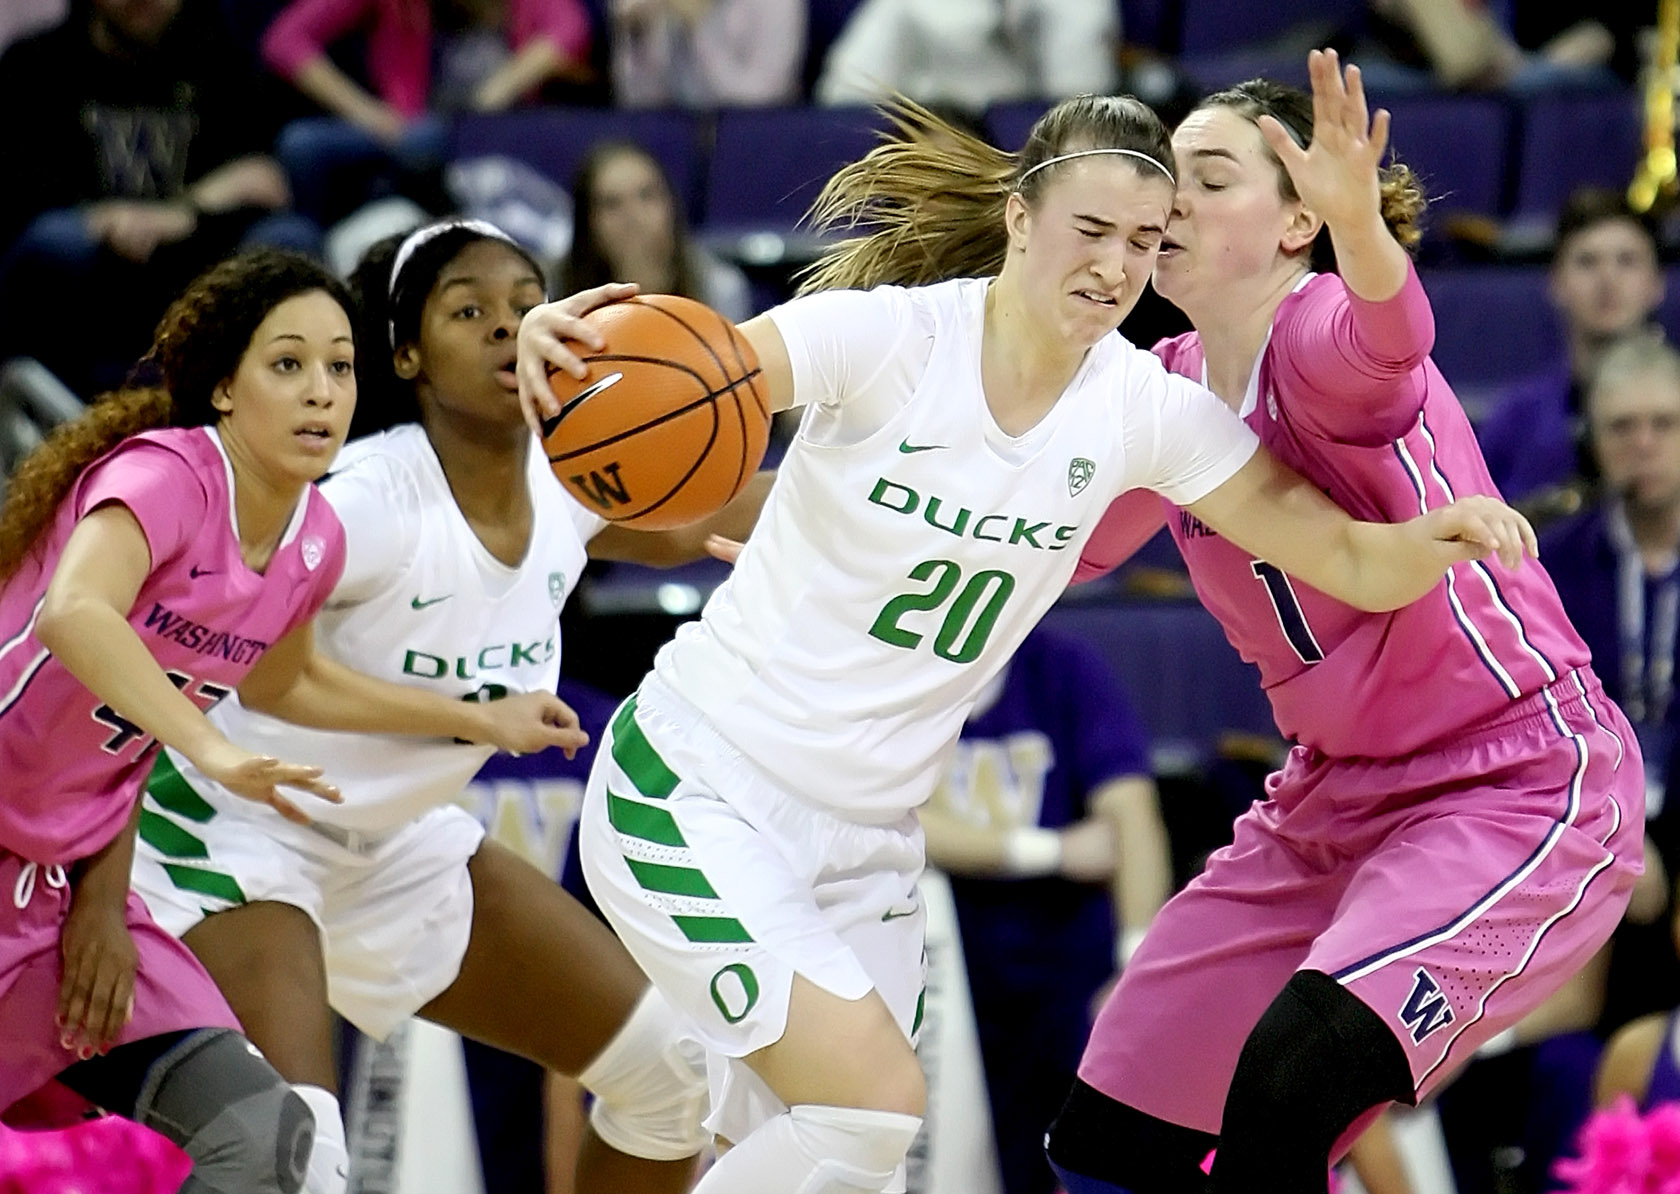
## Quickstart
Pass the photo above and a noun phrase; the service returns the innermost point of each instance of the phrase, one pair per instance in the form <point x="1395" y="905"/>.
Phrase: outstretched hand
<point x="259" y="778"/>
<point x="1336" y="174"/>
<point x="547" y="336"/>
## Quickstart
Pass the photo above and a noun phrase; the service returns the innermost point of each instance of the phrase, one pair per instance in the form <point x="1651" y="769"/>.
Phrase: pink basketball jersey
<point x="73" y="765"/>
<point x="1345" y="393"/>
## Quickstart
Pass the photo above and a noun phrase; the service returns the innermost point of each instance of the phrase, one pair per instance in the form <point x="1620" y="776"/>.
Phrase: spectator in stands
<point x="1605" y="281"/>
<point x="629" y="227"/>
<point x="1472" y="45"/>
<point x="1617" y="563"/>
<point x="973" y="55"/>
<point x="1047" y="822"/>
<point x="707" y="53"/>
<point x="19" y="18"/>
<point x="138" y="157"/>
<point x="423" y="57"/>
<point x="1642" y="1059"/>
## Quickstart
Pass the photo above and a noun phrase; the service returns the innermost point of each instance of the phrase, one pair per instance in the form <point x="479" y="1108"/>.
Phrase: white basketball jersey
<point x="423" y="603"/>
<point x="902" y="557"/>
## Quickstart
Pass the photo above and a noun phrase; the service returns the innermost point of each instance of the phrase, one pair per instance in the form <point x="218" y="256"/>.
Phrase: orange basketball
<point x="671" y="421"/>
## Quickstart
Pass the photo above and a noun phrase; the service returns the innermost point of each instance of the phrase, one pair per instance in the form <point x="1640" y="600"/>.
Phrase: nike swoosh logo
<point x="419" y="604"/>
<point x="895" y="914"/>
<point x="195" y="572"/>
<point x="907" y="447"/>
<point x="572" y="403"/>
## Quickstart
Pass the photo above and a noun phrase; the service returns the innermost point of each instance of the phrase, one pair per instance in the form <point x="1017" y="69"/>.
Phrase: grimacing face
<point x="1089" y="242"/>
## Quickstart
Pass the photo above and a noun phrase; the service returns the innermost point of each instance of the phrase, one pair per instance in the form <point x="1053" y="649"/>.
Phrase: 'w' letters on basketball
<point x="1426" y="1008"/>
<point x="604" y="491"/>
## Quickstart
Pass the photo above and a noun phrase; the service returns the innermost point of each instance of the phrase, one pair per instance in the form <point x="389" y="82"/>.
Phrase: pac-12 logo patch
<point x="1080" y="472"/>
<point x="557" y="588"/>
<point x="312" y="549"/>
<point x="1426" y="1008"/>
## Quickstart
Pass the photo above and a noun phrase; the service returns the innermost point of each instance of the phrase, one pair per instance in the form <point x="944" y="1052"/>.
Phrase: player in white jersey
<point x="749" y="825"/>
<point x="462" y="548"/>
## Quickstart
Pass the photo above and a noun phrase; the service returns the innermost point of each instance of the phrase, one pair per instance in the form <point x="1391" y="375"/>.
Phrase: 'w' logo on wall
<point x="1426" y="1008"/>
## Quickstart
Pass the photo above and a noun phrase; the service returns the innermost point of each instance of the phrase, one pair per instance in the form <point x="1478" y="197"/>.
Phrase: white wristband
<point x="1032" y="851"/>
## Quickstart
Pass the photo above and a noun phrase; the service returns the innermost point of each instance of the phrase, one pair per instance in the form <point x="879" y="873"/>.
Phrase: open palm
<point x="1336" y="175"/>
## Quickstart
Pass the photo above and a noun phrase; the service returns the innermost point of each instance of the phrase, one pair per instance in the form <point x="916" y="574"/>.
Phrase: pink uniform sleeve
<point x="158" y="486"/>
<point x="1130" y="521"/>
<point x="305" y="28"/>
<point x="1356" y="364"/>
<point x="563" y="22"/>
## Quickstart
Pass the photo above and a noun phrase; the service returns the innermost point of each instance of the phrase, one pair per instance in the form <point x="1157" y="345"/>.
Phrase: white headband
<point x="421" y="236"/>
<point x="1085" y="153"/>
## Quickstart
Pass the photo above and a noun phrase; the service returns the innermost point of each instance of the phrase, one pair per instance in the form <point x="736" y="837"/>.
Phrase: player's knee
<point x="1317" y="1045"/>
<point x="903" y="1087"/>
<point x="242" y="1124"/>
<point x="649" y="1084"/>
<point x="1099" y="1145"/>
<point x="1318" y="1059"/>
<point x="857" y="1151"/>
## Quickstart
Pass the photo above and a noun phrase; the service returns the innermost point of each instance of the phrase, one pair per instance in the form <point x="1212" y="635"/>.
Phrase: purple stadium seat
<point x="1572" y="140"/>
<point x="824" y="19"/>
<point x="768" y="163"/>
<point x="1225" y="68"/>
<point x="1457" y="144"/>
<point x="555" y="140"/>
<point x="1008" y="124"/>
<point x="1493" y="325"/>
<point x="1212" y="26"/>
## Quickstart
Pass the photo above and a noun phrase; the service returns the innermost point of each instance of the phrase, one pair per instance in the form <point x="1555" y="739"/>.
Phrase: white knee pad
<point x="329" y="1163"/>
<point x="649" y="1085"/>
<point x="856" y="1151"/>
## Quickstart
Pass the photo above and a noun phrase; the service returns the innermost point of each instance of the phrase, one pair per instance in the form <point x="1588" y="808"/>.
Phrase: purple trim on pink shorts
<point x="1457" y="923"/>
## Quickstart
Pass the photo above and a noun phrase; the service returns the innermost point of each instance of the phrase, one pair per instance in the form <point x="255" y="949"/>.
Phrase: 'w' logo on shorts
<point x="1426" y="1008"/>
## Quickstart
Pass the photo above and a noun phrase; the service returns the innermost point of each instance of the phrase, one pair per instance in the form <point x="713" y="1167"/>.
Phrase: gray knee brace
<point x="245" y="1129"/>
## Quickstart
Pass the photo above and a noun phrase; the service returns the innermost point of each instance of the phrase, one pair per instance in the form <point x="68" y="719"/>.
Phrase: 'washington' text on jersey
<point x="959" y="520"/>
<point x="203" y="639"/>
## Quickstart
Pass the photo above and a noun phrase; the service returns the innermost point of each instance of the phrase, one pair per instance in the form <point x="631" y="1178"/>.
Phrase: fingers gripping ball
<point x="671" y="420"/>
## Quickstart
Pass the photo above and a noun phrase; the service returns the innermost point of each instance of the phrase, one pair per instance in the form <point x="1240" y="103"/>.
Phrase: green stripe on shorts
<point x="636" y="757"/>
<point x="166" y="837"/>
<point x="634" y="819"/>
<point x="675" y="880"/>
<point x="171" y="790"/>
<point x="210" y="883"/>
<point x="712" y="928"/>
<point x="921" y="1008"/>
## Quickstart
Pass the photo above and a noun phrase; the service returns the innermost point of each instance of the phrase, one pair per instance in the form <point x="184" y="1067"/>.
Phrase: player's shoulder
<point x="175" y="456"/>
<point x="392" y="460"/>
<point x="1181" y="354"/>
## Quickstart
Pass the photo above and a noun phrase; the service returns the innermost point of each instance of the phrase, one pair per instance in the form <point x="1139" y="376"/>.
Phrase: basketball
<point x="670" y="422"/>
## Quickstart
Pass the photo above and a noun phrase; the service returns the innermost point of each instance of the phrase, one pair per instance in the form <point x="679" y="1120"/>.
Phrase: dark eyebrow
<point x="1097" y="220"/>
<point x="470" y="280"/>
<point x="1214" y="153"/>
<point x="346" y="339"/>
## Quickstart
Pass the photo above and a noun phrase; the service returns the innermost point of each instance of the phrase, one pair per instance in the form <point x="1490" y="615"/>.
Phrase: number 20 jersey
<point x="909" y="545"/>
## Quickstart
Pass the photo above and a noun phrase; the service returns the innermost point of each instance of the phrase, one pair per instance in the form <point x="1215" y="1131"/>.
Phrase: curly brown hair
<point x="931" y="198"/>
<point x="197" y="346"/>
<point x="1402" y="194"/>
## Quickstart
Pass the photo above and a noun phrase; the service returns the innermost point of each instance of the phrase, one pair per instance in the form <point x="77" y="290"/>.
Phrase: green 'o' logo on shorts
<point x="735" y="986"/>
